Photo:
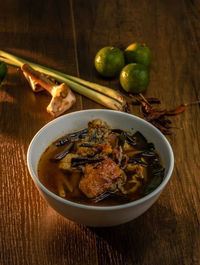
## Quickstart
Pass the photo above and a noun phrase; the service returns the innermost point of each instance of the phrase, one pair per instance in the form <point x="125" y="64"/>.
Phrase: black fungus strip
<point x="62" y="154"/>
<point x="78" y="161"/>
<point x="140" y="138"/>
<point x="86" y="145"/>
<point x="63" y="140"/>
<point x="130" y="140"/>
<point x="147" y="146"/>
<point x="78" y="134"/>
<point x="139" y="145"/>
<point x="117" y="131"/>
<point x="136" y="161"/>
<point x="72" y="136"/>
<point x="123" y="162"/>
<point x="150" y="146"/>
<point x="83" y="135"/>
<point x="148" y="154"/>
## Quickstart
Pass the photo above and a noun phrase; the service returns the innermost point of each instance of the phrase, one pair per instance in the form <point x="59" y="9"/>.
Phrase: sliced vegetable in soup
<point x="101" y="166"/>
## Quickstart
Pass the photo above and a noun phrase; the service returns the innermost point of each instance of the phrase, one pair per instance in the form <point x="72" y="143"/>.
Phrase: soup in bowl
<point x="100" y="167"/>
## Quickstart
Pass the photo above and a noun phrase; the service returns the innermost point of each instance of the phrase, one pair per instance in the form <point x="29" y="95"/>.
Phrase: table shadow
<point x="23" y="112"/>
<point x="153" y="231"/>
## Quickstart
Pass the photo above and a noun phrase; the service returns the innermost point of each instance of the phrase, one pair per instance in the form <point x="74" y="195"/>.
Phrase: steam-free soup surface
<point x="101" y="166"/>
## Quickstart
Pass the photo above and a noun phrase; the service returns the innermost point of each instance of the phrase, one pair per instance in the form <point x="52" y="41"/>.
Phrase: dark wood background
<point x="66" y="35"/>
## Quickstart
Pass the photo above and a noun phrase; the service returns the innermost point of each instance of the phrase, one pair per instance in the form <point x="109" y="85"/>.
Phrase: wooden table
<point x="65" y="35"/>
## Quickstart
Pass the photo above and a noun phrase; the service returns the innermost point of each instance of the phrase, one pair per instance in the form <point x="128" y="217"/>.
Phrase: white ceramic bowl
<point x="95" y="215"/>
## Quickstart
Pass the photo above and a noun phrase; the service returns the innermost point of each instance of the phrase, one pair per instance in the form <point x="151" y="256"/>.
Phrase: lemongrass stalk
<point x="7" y="61"/>
<point x="16" y="61"/>
<point x="102" y="89"/>
<point x="59" y="77"/>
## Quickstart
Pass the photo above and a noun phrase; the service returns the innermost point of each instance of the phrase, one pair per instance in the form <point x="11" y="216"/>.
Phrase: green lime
<point x="134" y="78"/>
<point x="138" y="53"/>
<point x="3" y="71"/>
<point x="109" y="61"/>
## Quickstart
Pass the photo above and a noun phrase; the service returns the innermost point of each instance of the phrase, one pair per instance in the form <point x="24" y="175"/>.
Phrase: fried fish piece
<point x="99" y="177"/>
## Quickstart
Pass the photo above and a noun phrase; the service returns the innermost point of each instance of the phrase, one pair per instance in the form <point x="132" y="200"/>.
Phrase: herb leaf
<point x="157" y="178"/>
<point x="122" y="138"/>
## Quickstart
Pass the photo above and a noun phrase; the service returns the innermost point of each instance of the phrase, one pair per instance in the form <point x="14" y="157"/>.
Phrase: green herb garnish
<point x="122" y="138"/>
<point x="157" y="177"/>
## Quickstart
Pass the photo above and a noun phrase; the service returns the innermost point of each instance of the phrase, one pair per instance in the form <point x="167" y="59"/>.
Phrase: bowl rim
<point x="100" y="208"/>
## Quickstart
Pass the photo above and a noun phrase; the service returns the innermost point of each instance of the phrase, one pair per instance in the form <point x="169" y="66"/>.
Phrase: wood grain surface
<point x="65" y="35"/>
